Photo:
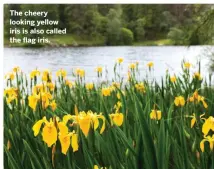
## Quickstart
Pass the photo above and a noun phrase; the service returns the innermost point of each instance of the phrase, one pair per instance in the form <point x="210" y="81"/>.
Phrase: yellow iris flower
<point x="99" y="69"/>
<point x="69" y="83"/>
<point x="179" y="101"/>
<point x="120" y="60"/>
<point x="208" y="125"/>
<point x="34" y="73"/>
<point x="116" y="118"/>
<point x="10" y="76"/>
<point x="32" y="101"/>
<point x="132" y="66"/>
<point x="197" y="75"/>
<point x="49" y="131"/>
<point x="150" y="64"/>
<point x="11" y="94"/>
<point x="46" y="76"/>
<point x="86" y="120"/>
<point x="16" y="69"/>
<point x="198" y="98"/>
<point x="106" y="91"/>
<point x="187" y="65"/>
<point x="140" y="87"/>
<point x="173" y="79"/>
<point x="155" y="114"/>
<point x="80" y="72"/>
<point x="61" y="73"/>
<point x="208" y="139"/>
<point x="66" y="138"/>
<point x="53" y="105"/>
<point x="89" y="86"/>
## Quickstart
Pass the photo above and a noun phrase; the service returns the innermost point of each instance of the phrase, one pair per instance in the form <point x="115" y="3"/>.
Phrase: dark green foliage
<point x="183" y="24"/>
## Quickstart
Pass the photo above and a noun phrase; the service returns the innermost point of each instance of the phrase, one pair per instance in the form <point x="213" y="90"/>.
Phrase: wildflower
<point x="117" y="106"/>
<point x="61" y="73"/>
<point x="173" y="79"/>
<point x="11" y="94"/>
<point x="197" y="75"/>
<point x="86" y="120"/>
<point x="46" y="76"/>
<point x="53" y="105"/>
<point x="150" y="65"/>
<point x="10" y="76"/>
<point x="116" y="118"/>
<point x="32" y="101"/>
<point x="187" y="65"/>
<point x="80" y="72"/>
<point x="99" y="69"/>
<point x="208" y="139"/>
<point x="179" y="101"/>
<point x="120" y="60"/>
<point x="34" y="73"/>
<point x="49" y="132"/>
<point x="67" y="138"/>
<point x="69" y="83"/>
<point x="140" y="87"/>
<point x="106" y="91"/>
<point x="116" y="84"/>
<point x="51" y="86"/>
<point x="208" y="125"/>
<point x="198" y="98"/>
<point x="96" y="167"/>
<point x="155" y="114"/>
<point x="16" y="69"/>
<point x="89" y="86"/>
<point x="132" y="66"/>
<point x="45" y="98"/>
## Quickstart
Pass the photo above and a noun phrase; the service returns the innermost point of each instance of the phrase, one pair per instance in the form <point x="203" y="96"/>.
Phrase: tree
<point x="113" y="26"/>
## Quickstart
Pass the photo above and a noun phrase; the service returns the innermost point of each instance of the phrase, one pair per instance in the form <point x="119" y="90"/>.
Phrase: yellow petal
<point x="49" y="134"/>
<point x="118" y="119"/>
<point x="103" y="126"/>
<point x="159" y="114"/>
<point x="74" y="142"/>
<point x="211" y="145"/>
<point x="206" y="127"/>
<point x="63" y="129"/>
<point x="176" y="101"/>
<point x="85" y="125"/>
<point x="37" y="126"/>
<point x="205" y="104"/>
<point x="202" y="145"/>
<point x="66" y="118"/>
<point x="193" y="122"/>
<point x="96" y="167"/>
<point x="65" y="142"/>
<point x="96" y="122"/>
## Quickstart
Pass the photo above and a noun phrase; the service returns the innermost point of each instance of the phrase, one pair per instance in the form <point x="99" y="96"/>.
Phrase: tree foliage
<point x="184" y="24"/>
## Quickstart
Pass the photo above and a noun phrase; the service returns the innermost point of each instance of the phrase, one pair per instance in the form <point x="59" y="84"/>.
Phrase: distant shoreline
<point x="76" y="41"/>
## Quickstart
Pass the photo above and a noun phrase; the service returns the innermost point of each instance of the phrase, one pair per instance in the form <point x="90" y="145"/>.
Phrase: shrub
<point x="126" y="36"/>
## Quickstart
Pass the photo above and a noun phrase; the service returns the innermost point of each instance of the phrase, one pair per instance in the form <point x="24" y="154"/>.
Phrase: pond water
<point x="88" y="58"/>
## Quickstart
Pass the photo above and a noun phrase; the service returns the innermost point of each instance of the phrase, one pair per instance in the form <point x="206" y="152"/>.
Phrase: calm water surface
<point x="89" y="58"/>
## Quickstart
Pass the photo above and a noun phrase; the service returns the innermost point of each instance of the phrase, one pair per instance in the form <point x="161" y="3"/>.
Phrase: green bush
<point x="126" y="36"/>
<point x="177" y="35"/>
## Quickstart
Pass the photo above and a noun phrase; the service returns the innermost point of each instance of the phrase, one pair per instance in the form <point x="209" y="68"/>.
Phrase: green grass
<point x="161" y="42"/>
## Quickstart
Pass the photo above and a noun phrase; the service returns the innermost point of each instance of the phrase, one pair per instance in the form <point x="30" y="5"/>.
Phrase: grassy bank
<point x="74" y="40"/>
